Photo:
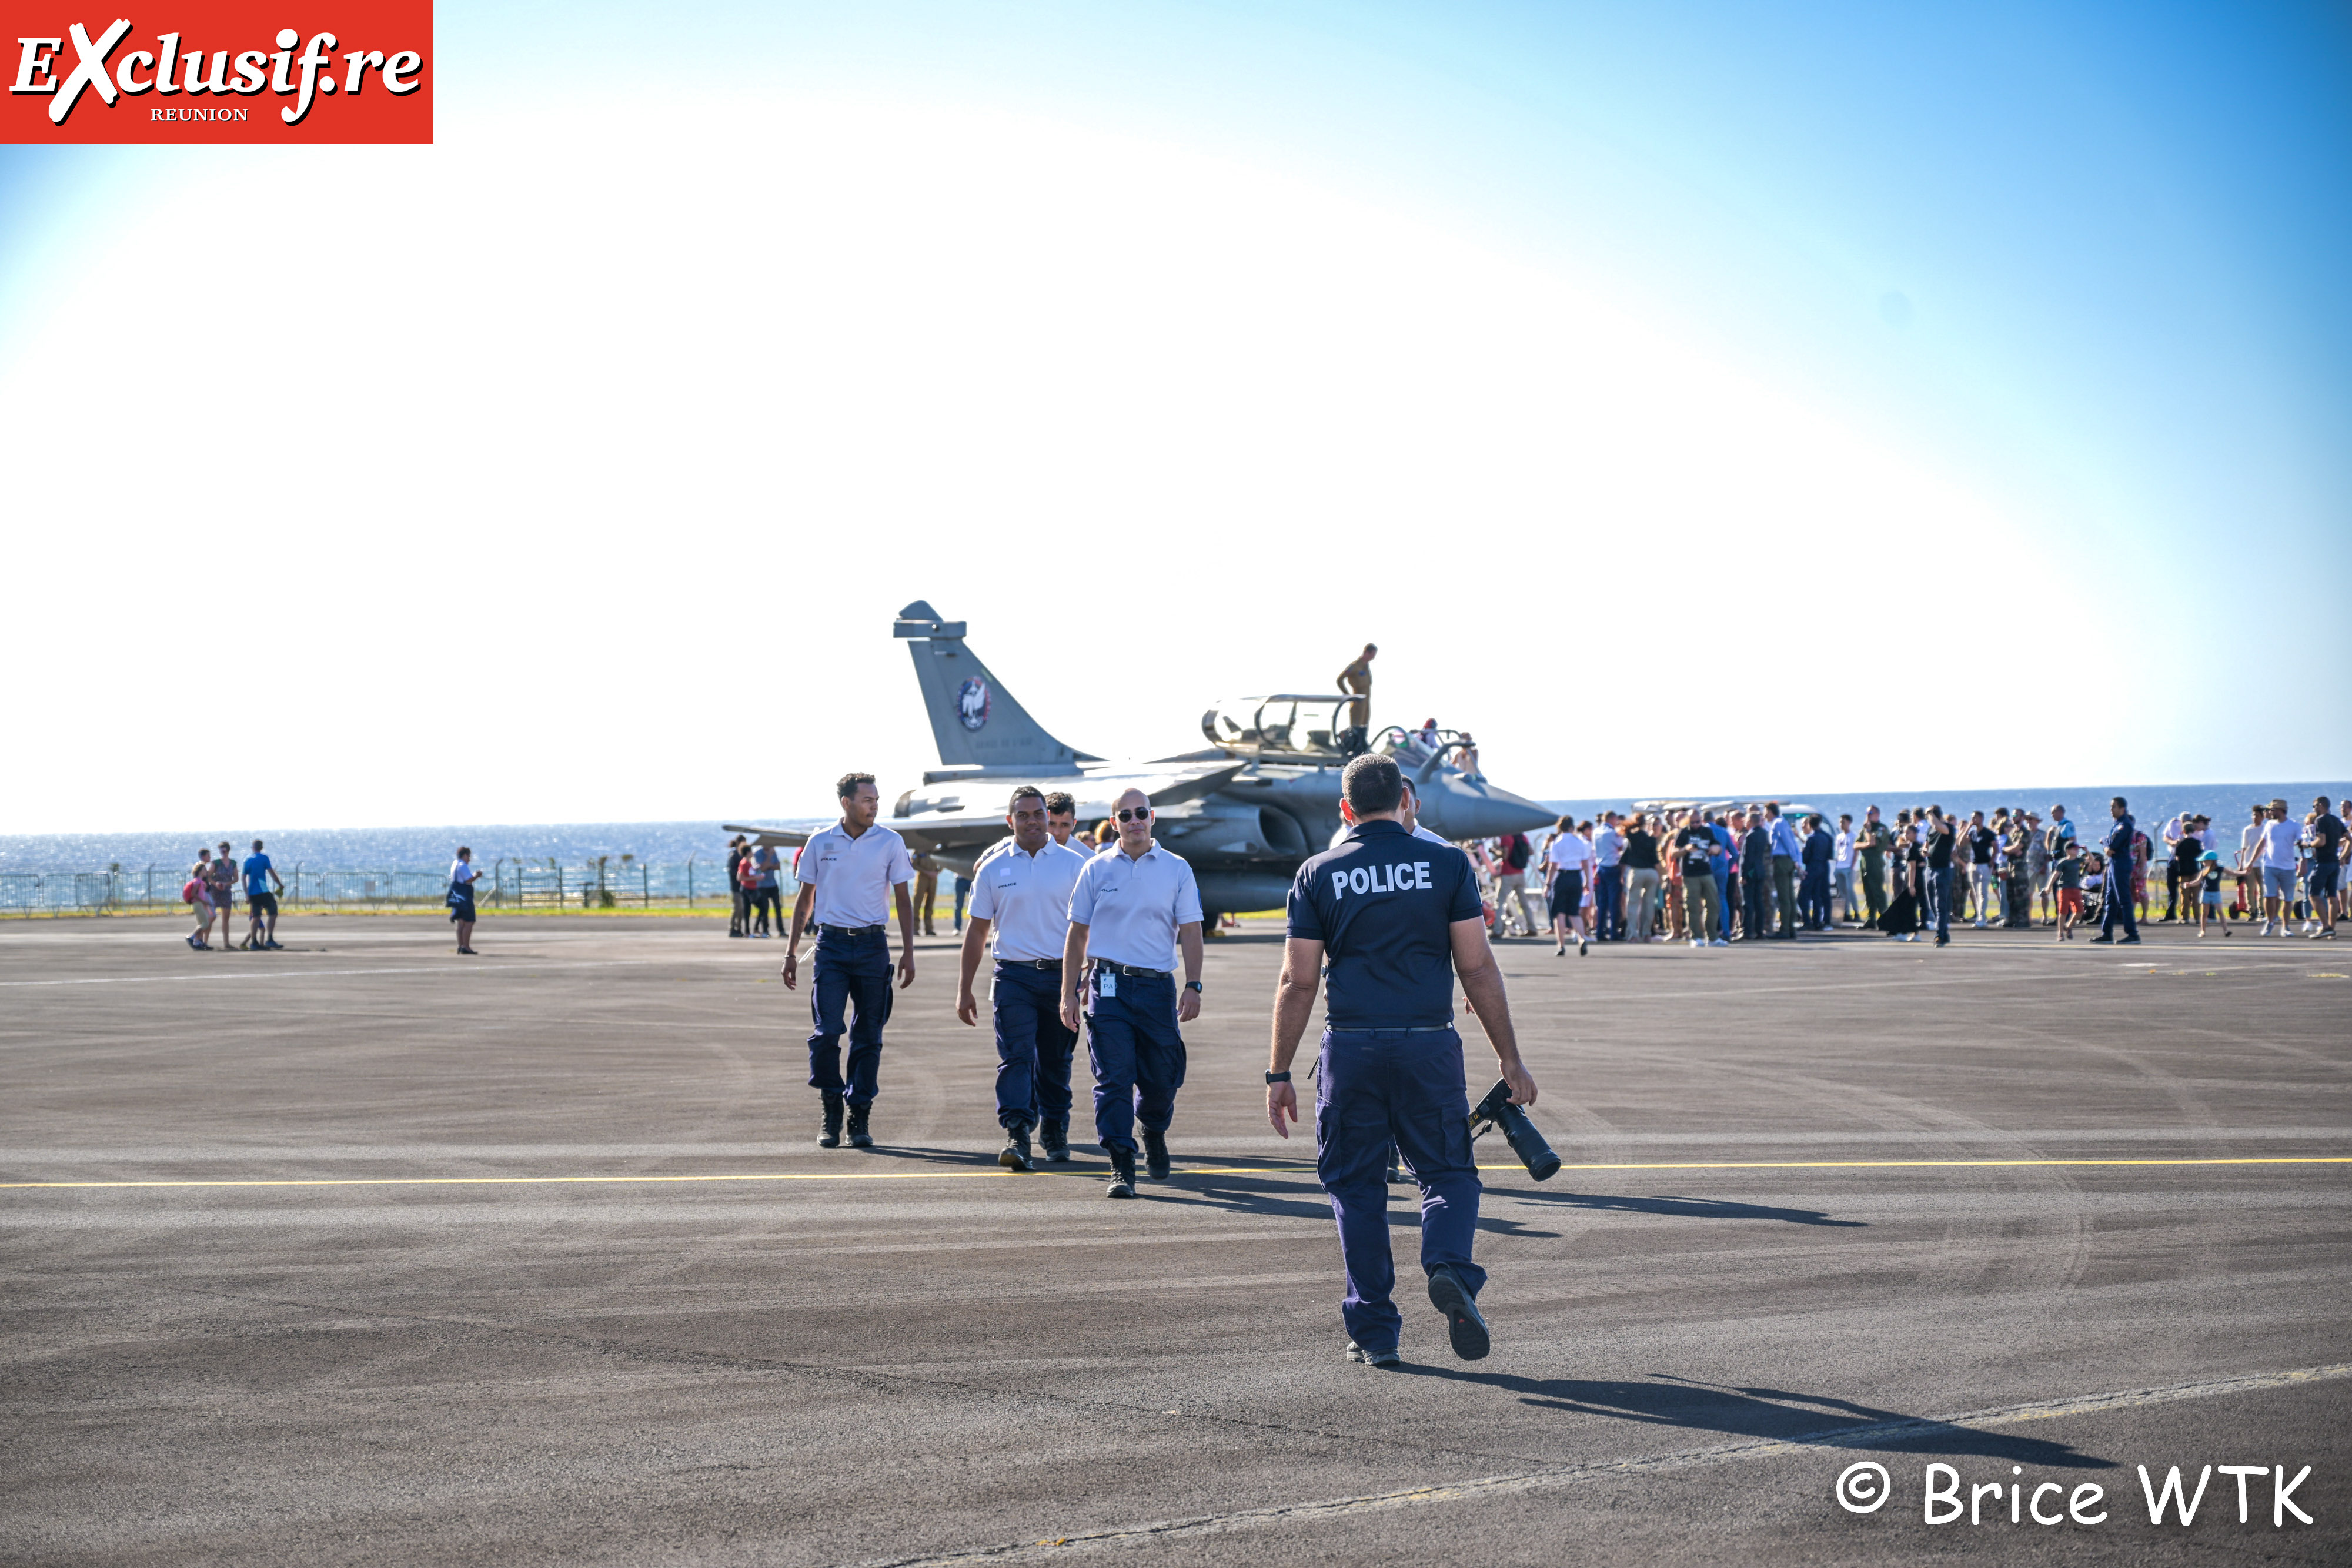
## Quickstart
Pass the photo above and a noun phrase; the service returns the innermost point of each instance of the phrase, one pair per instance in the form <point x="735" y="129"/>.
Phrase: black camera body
<point x="1522" y="1134"/>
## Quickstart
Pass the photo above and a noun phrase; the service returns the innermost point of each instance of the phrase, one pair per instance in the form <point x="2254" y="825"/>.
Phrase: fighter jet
<point x="1244" y="811"/>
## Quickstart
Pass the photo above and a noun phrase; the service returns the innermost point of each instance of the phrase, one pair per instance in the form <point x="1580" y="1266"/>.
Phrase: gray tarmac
<point x="529" y="1258"/>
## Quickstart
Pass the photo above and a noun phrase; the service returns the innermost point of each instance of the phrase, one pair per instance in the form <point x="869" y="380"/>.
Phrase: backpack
<point x="1516" y="854"/>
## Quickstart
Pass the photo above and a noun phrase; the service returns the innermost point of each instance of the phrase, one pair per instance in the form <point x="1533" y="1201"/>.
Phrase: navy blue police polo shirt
<point x="1383" y="905"/>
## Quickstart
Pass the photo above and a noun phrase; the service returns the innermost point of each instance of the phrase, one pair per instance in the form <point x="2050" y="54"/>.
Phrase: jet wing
<point x="781" y="838"/>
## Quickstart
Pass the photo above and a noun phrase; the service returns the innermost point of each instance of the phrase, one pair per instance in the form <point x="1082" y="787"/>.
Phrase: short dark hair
<point x="256" y="843"/>
<point x="1814" y="821"/>
<point x="1061" y="803"/>
<point x="463" y="853"/>
<point x="1374" y="784"/>
<point x="846" y="785"/>
<point x="1026" y="792"/>
<point x="2119" y="800"/>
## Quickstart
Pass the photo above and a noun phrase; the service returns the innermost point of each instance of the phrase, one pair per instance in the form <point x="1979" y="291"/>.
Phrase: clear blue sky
<point x="2066" y="281"/>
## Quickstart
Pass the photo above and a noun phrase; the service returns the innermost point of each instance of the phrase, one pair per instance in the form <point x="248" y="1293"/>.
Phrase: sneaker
<point x="830" y="1138"/>
<point x="1697" y="942"/>
<point x="1719" y="942"/>
<point x="860" y="1137"/>
<point x="2102" y="939"/>
<point x="1363" y="1357"/>
<point x="1014" y="1156"/>
<point x="1155" y="1155"/>
<point x="2128" y="942"/>
<point x="1053" y="1141"/>
<point x="192" y="941"/>
<point x="1122" y="1175"/>
<point x="1464" y="1325"/>
<point x="271" y="946"/>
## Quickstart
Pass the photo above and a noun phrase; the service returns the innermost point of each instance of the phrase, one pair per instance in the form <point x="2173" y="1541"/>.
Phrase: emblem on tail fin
<point x="972" y="702"/>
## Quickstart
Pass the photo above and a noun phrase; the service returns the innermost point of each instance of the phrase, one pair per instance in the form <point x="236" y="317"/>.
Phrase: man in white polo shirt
<point x="848" y="875"/>
<point x="1132" y="908"/>
<point x="1021" y="889"/>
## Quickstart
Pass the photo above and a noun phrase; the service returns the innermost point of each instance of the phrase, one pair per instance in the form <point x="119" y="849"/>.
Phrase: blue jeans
<point x="1608" y="903"/>
<point x="1939" y="896"/>
<point x="1138" y="1057"/>
<point x="853" y="974"/>
<point x="1032" y="1049"/>
<point x="1374" y="1087"/>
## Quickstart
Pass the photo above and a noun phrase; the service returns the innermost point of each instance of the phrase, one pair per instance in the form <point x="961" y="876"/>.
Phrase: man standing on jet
<point x="1133" y="908"/>
<point x="1022" y="888"/>
<point x="1357" y="680"/>
<point x="848" y="875"/>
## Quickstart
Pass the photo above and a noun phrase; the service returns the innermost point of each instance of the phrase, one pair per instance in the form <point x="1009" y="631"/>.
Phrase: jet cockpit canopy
<point x="1312" y="728"/>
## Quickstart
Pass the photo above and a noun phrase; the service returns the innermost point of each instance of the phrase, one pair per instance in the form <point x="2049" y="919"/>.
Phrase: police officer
<point x="2115" y="894"/>
<point x="848" y="875"/>
<point x="1022" y="889"/>
<point x="1133" y="907"/>
<point x="1394" y="919"/>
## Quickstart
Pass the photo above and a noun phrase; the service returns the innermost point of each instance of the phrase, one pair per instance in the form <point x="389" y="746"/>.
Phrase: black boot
<point x="1122" y="1175"/>
<point x="859" y="1139"/>
<point x="831" y="1137"/>
<point x="1054" y="1140"/>
<point x="1155" y="1155"/>
<point x="1014" y="1156"/>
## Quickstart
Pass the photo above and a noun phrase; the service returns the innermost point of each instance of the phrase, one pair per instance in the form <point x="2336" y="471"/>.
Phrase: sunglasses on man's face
<point x="1140" y="814"/>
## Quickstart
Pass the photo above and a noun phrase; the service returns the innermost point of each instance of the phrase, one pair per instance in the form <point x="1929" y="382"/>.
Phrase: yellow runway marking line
<point x="1095" y="1174"/>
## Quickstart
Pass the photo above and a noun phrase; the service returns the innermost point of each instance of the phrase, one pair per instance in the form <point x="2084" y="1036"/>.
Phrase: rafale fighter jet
<point x="1244" y="811"/>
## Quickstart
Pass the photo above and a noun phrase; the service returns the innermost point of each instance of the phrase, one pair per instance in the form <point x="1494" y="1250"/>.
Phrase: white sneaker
<point x="1697" y="942"/>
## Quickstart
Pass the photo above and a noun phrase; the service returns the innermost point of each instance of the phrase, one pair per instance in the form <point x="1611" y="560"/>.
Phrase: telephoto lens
<point x="1526" y="1139"/>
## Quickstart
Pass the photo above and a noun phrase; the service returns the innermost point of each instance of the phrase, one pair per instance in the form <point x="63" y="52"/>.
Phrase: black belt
<point x="853" y="930"/>
<point x="1131" y="970"/>
<point x="1054" y="964"/>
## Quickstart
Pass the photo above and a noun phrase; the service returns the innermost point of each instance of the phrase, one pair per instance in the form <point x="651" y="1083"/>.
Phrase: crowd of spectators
<point x="1708" y="876"/>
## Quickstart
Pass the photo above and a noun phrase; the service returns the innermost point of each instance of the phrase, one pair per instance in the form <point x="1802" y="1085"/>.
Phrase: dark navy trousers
<point x="853" y="977"/>
<point x="1609" y="903"/>
<point x="1032" y="1049"/>
<point x="1136" y="1054"/>
<point x="2115" y="901"/>
<point x="1373" y="1086"/>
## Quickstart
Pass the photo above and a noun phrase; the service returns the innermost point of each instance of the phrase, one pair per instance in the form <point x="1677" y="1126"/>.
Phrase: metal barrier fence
<point x="611" y="881"/>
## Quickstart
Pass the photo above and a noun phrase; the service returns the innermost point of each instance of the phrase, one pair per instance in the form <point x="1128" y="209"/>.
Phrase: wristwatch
<point x="1277" y="1078"/>
<point x="1193" y="985"/>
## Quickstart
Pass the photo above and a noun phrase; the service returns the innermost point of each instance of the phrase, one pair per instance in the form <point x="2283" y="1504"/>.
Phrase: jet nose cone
<point x="1460" y="807"/>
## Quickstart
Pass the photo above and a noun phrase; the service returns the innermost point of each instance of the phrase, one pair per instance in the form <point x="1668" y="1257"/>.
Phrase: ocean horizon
<point x="431" y="847"/>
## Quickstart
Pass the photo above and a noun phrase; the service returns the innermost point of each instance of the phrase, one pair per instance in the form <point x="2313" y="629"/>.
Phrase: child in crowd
<point x="2207" y="884"/>
<point x="2074" y="876"/>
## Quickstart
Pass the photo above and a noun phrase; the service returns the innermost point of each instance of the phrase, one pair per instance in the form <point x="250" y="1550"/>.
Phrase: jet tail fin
<point x="976" y="721"/>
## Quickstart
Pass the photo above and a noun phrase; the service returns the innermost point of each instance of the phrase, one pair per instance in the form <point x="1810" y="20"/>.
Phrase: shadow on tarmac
<point x="1770" y="1413"/>
<point x="1250" y="1195"/>
<point x="1685" y="1208"/>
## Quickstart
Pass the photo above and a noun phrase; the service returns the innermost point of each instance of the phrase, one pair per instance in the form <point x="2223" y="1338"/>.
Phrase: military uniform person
<point x="848" y="875"/>
<point x="2115" y="894"/>
<point x="1133" y="907"/>
<point x="1020" y="888"/>
<point x="1386" y="920"/>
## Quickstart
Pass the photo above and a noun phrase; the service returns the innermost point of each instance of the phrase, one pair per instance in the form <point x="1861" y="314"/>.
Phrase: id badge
<point x="1109" y="982"/>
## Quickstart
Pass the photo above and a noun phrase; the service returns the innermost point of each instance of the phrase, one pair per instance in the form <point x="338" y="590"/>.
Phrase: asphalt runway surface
<point x="363" y="1252"/>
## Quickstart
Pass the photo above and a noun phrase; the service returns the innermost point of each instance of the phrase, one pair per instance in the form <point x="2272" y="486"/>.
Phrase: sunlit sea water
<point x="574" y="844"/>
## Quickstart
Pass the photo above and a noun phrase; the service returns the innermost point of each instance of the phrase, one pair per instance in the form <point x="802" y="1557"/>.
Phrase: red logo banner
<point x="218" y="71"/>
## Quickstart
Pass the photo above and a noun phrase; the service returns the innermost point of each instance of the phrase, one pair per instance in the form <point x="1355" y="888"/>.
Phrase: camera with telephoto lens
<point x="1497" y="1110"/>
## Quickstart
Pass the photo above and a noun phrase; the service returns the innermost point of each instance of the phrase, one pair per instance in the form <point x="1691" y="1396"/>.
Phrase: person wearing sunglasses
<point x="1134" y="907"/>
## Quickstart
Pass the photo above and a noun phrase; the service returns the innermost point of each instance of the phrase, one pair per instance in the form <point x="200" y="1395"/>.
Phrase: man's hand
<point x="1188" y="1005"/>
<point x="967" y="1004"/>
<point x="905" y="967"/>
<point x="791" y="971"/>
<point x="1281" y="1106"/>
<point x="1070" y="1011"/>
<point x="1522" y="1082"/>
